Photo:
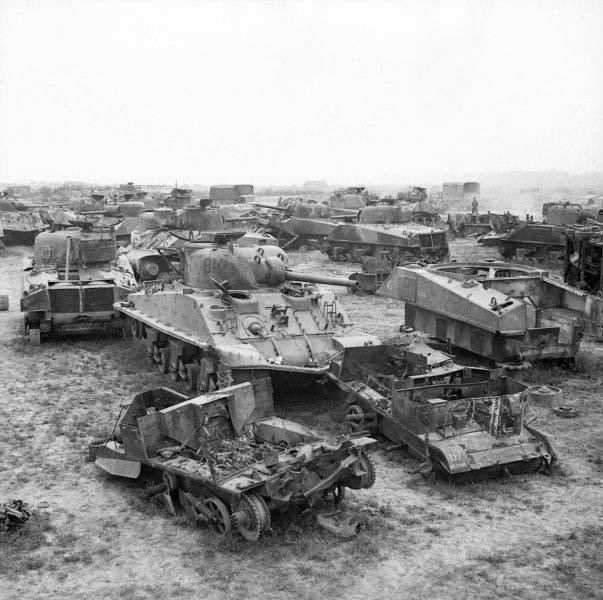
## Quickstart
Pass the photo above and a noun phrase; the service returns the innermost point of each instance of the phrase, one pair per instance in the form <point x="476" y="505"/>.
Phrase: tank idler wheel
<point x="355" y="418"/>
<point x="220" y="521"/>
<point x="35" y="337"/>
<point x="191" y="377"/>
<point x="164" y="360"/>
<point x="250" y="517"/>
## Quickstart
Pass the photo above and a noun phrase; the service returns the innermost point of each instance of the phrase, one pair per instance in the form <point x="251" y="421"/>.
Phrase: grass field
<point x="93" y="536"/>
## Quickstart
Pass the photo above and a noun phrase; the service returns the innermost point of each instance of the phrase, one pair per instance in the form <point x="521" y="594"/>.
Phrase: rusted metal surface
<point x="229" y="459"/>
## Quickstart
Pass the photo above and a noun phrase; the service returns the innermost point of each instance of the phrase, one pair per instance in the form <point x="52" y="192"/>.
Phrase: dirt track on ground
<point x="531" y="536"/>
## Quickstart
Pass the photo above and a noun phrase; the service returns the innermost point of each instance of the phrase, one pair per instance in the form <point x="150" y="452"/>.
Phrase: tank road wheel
<point x="355" y="418"/>
<point x="220" y="521"/>
<point x="164" y="360"/>
<point x="191" y="377"/>
<point x="250" y="517"/>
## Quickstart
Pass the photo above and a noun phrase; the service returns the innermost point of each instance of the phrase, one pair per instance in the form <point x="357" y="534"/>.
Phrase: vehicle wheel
<point x="355" y="418"/>
<point x="249" y="517"/>
<point x="164" y="360"/>
<point x="263" y="508"/>
<point x="35" y="337"/>
<point x="220" y="521"/>
<point x="368" y="480"/>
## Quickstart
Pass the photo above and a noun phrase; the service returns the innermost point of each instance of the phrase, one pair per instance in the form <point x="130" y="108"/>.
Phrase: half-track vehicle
<point x="233" y="318"/>
<point x="228" y="460"/>
<point x="388" y="233"/>
<point x="503" y="311"/>
<point x="71" y="283"/>
<point x="468" y="425"/>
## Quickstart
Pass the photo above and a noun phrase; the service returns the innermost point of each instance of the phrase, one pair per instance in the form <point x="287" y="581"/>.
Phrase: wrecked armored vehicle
<point x="354" y="198"/>
<point x="531" y="240"/>
<point x="471" y="424"/>
<point x="300" y="223"/>
<point x="583" y="270"/>
<point x="469" y="224"/>
<point x="386" y="232"/>
<point x="236" y="317"/>
<point x="505" y="312"/>
<point x="228" y="459"/>
<point x="21" y="227"/>
<point x="71" y="284"/>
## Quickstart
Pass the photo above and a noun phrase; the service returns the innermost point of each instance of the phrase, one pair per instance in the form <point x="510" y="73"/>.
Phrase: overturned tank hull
<point x="504" y="312"/>
<point x="468" y="427"/>
<point x="397" y="243"/>
<point x="228" y="460"/>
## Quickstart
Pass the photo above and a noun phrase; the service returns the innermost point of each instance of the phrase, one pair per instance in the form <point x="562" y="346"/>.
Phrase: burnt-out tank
<point x="352" y="198"/>
<point x="228" y="460"/>
<point x="467" y="425"/>
<point x="71" y="283"/>
<point x="233" y="318"/>
<point x="386" y="232"/>
<point x="532" y="240"/>
<point x="503" y="311"/>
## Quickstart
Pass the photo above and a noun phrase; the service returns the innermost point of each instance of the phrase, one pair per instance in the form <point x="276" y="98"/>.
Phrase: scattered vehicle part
<point x="13" y="514"/>
<point x="567" y="412"/>
<point x="545" y="395"/>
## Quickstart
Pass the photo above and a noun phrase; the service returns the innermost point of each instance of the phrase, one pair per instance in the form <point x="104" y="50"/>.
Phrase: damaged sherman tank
<point x="388" y="233"/>
<point x="531" y="240"/>
<point x="301" y="223"/>
<point x="502" y="311"/>
<point x="235" y="317"/>
<point x="228" y="460"/>
<point x="464" y="425"/>
<point x="470" y="224"/>
<point x="71" y="283"/>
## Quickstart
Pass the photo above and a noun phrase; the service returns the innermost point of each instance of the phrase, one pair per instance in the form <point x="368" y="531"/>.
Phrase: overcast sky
<point x="280" y="92"/>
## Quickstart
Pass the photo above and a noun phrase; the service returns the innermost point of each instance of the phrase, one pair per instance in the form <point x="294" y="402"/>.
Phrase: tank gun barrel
<point x="307" y="278"/>
<point x="270" y="207"/>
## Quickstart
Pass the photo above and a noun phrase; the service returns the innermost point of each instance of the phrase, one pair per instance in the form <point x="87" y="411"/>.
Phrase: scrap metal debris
<point x="13" y="514"/>
<point x="339" y="523"/>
